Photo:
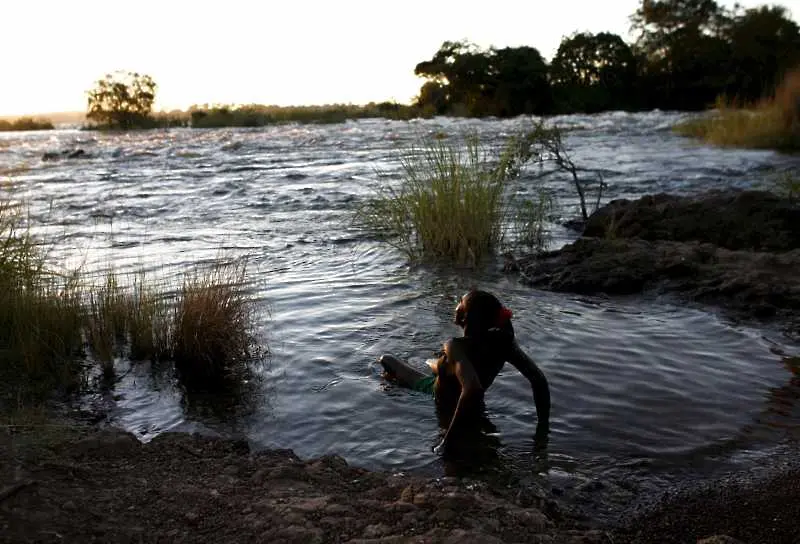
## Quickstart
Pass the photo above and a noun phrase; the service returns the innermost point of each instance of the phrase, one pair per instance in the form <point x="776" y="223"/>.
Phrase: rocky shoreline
<point x="81" y="484"/>
<point x="736" y="250"/>
<point x="87" y="485"/>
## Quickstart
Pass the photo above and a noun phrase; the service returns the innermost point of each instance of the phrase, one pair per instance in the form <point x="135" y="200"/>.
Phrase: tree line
<point x="686" y="54"/>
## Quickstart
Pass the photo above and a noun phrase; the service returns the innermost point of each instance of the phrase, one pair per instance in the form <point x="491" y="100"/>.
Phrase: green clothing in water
<point x="425" y="385"/>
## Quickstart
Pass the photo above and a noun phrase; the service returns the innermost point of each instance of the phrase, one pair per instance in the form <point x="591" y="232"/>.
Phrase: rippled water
<point x="638" y="385"/>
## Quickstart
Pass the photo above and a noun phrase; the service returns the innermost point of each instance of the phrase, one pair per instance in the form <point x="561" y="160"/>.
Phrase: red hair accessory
<point x="504" y="316"/>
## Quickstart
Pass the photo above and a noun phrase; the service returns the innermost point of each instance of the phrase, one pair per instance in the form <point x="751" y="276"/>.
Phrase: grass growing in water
<point x="210" y="333"/>
<point x="147" y="321"/>
<point x="456" y="201"/>
<point x="773" y="123"/>
<point x="40" y="314"/>
<point x="53" y="327"/>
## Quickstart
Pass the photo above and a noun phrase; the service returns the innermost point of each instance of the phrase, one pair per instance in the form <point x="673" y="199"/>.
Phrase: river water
<point x="640" y="387"/>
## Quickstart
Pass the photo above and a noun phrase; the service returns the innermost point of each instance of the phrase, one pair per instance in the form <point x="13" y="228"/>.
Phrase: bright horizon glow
<point x="298" y="52"/>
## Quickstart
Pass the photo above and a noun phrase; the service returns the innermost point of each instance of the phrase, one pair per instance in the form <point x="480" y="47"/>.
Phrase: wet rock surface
<point x="734" y="219"/>
<point x="739" y="250"/>
<point x="66" y="154"/>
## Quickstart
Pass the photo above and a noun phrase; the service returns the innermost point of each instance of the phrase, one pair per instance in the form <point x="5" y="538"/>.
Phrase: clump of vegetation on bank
<point x="772" y="123"/>
<point x="124" y="101"/>
<point x="56" y="327"/>
<point x="25" y="123"/>
<point x="685" y="53"/>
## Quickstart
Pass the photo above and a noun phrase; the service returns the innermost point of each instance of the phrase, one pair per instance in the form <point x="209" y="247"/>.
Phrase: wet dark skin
<point x="468" y="366"/>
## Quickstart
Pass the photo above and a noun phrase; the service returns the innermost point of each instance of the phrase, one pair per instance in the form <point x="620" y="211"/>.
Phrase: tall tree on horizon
<point x="121" y="100"/>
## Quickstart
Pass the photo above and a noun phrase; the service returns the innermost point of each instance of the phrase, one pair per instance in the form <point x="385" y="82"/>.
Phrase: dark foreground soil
<point x="755" y="511"/>
<point x="105" y="486"/>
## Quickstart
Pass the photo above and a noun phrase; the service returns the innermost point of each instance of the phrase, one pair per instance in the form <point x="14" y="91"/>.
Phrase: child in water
<point x="468" y="365"/>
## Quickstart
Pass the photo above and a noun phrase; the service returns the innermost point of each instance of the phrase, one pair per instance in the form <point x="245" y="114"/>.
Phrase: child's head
<point x="478" y="312"/>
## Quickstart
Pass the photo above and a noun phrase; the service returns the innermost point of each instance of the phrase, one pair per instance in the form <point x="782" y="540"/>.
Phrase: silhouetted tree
<point x="765" y="44"/>
<point x="122" y="100"/>
<point x="518" y="82"/>
<point x="593" y="72"/>
<point x="433" y="98"/>
<point x="465" y="79"/>
<point x="687" y="59"/>
<point x="687" y="53"/>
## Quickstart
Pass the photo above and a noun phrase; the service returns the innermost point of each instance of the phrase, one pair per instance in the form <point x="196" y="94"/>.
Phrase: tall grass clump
<point x="461" y="201"/>
<point x="453" y="202"/>
<point x="205" y="326"/>
<point x="54" y="327"/>
<point x="211" y="330"/>
<point x="40" y="315"/>
<point x="106" y="324"/>
<point x="147" y="317"/>
<point x="772" y="123"/>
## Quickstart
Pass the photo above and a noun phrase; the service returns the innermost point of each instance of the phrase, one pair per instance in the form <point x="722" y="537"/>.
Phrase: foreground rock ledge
<point x="106" y="486"/>
<point x="739" y="250"/>
<point x="109" y="487"/>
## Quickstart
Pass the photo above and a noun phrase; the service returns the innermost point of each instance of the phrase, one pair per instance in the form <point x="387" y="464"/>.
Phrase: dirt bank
<point x="77" y="484"/>
<point x="108" y="487"/>
<point x="84" y="485"/>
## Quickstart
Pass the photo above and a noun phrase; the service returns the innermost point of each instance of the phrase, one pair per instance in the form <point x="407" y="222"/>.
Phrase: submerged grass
<point x="773" y="123"/>
<point x="56" y="326"/>
<point x="455" y="202"/>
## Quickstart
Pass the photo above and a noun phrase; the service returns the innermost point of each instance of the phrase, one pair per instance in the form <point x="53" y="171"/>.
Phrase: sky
<point x="286" y="52"/>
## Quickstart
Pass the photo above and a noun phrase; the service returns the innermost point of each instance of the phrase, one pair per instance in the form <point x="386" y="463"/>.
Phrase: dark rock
<point x="754" y="284"/>
<point x="106" y="444"/>
<point x="66" y="154"/>
<point x="576" y="225"/>
<point x="755" y="220"/>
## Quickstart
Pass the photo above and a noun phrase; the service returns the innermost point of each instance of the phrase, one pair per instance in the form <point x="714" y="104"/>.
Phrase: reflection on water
<point x="637" y="386"/>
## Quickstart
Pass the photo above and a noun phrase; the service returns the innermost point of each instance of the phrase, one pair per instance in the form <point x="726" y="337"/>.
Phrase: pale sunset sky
<point x="285" y="52"/>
